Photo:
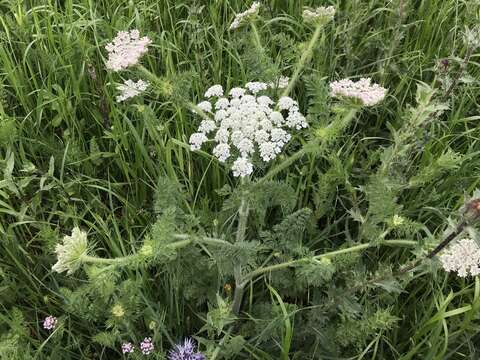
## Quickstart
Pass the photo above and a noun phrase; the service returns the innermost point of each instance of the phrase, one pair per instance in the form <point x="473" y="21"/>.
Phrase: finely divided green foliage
<point x="70" y="155"/>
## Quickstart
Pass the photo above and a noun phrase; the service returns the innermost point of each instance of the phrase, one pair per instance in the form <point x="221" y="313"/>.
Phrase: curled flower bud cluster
<point x="245" y="124"/>
<point x="320" y="16"/>
<point x="363" y="90"/>
<point x="131" y="89"/>
<point x="185" y="351"/>
<point x="50" y="322"/>
<point x="247" y="14"/>
<point x="126" y="50"/>
<point x="70" y="253"/>
<point x="462" y="258"/>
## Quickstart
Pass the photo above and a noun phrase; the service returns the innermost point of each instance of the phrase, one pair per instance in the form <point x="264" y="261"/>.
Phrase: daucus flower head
<point x="462" y="258"/>
<point x="320" y="16"/>
<point x="126" y="49"/>
<point x="247" y="14"/>
<point x="50" y="322"/>
<point x="247" y="124"/>
<point x="146" y="346"/>
<point x="185" y="351"/>
<point x="364" y="91"/>
<point x="127" y="348"/>
<point x="131" y="89"/>
<point x="70" y="253"/>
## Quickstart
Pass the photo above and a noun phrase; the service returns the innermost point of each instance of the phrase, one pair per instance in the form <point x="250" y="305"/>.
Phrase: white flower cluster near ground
<point x="246" y="123"/>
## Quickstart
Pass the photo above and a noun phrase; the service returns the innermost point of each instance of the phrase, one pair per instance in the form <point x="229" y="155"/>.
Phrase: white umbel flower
<point x="131" y="89"/>
<point x="462" y="258"/>
<point x="215" y="90"/>
<point x="205" y="106"/>
<point x="321" y="15"/>
<point x="256" y="86"/>
<point x="222" y="152"/>
<point x="197" y="140"/>
<point x="126" y="49"/>
<point x="247" y="14"/>
<point x="364" y="91"/>
<point x="246" y="125"/>
<point x="242" y="167"/>
<point x="70" y="253"/>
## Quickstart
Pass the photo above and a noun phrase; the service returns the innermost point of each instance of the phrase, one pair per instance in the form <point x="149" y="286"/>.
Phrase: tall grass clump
<point x="239" y="180"/>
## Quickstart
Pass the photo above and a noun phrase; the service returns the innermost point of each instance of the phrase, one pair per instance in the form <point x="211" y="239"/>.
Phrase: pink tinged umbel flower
<point x="364" y="91"/>
<point x="126" y="49"/>
<point x="127" y="348"/>
<point x="146" y="346"/>
<point x="50" y="322"/>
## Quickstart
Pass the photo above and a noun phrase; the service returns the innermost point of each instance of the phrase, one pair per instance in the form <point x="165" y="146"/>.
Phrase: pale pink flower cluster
<point x="146" y="346"/>
<point x="50" y="322"/>
<point x="127" y="348"/>
<point x="363" y="90"/>
<point x="126" y="49"/>
<point x="131" y="89"/>
<point x="246" y="124"/>
<point x="240" y="18"/>
<point x="462" y="258"/>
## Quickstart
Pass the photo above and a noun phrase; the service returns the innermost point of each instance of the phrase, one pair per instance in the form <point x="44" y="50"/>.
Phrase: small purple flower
<point x="50" y="322"/>
<point x="187" y="351"/>
<point x="146" y="346"/>
<point x="127" y="347"/>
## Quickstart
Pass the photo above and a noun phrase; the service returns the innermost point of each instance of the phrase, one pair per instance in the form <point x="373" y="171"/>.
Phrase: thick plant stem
<point x="303" y="59"/>
<point x="240" y="237"/>
<point x="355" y="248"/>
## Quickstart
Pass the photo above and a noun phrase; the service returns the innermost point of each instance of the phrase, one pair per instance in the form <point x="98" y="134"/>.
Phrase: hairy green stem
<point x="355" y="248"/>
<point x="184" y="240"/>
<point x="240" y="237"/>
<point x="303" y="59"/>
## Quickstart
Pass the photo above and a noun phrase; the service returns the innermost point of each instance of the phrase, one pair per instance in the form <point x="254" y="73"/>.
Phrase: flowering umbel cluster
<point x="185" y="351"/>
<point x="70" y="253"/>
<point x="364" y="91"/>
<point x="246" y="124"/>
<point x="126" y="49"/>
<point x="320" y="16"/>
<point x="131" y="89"/>
<point x="247" y="14"/>
<point x="50" y="322"/>
<point x="462" y="258"/>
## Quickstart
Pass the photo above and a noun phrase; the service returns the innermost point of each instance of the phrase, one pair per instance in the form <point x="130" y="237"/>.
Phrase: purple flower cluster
<point x="50" y="322"/>
<point x="185" y="351"/>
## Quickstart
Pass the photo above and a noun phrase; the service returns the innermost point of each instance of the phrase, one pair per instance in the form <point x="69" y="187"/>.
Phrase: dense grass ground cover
<point x="70" y="155"/>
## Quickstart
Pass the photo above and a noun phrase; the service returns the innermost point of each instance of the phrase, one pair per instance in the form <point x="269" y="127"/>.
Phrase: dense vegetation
<point x="334" y="232"/>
